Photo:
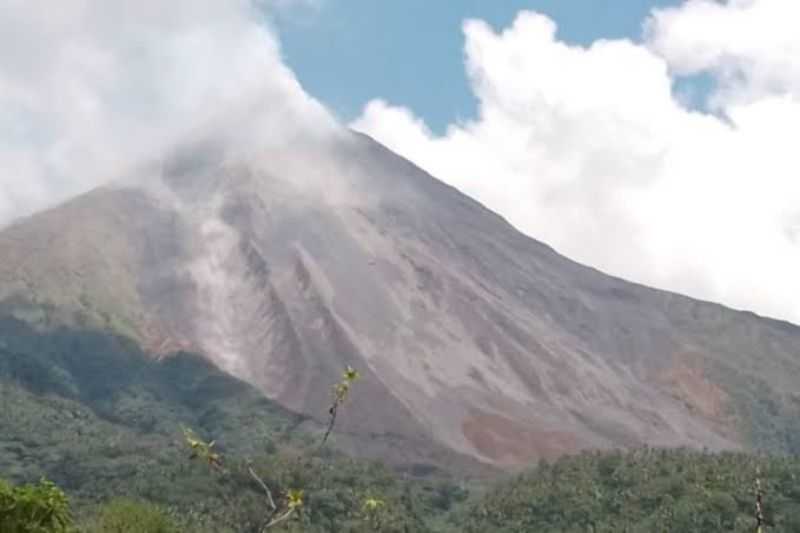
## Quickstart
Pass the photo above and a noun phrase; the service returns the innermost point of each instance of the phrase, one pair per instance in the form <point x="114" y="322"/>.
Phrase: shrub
<point x="128" y="516"/>
<point x="40" y="508"/>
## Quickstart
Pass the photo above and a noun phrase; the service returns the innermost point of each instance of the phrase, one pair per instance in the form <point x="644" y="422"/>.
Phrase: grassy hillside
<point x="90" y="412"/>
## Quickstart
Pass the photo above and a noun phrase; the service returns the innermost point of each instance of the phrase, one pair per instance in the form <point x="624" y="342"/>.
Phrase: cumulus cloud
<point x="751" y="47"/>
<point x="590" y="150"/>
<point x="89" y="87"/>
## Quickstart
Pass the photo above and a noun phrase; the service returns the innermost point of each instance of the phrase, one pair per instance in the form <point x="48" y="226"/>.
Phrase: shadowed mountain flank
<point x="282" y="266"/>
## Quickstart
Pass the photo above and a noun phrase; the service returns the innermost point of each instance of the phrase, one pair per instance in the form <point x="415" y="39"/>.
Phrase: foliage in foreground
<point x="34" y="508"/>
<point x="638" y="491"/>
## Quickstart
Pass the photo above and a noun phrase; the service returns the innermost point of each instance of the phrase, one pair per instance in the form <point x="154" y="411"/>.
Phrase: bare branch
<point x="263" y="486"/>
<point x="284" y="517"/>
<point x="331" y="422"/>
<point x="759" y="503"/>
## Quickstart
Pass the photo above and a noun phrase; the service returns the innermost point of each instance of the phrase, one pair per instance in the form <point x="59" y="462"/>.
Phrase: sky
<point x="347" y="52"/>
<point x="654" y="141"/>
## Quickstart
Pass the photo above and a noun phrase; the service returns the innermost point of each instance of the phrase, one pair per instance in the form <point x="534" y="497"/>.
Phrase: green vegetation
<point x="648" y="490"/>
<point x="128" y="516"/>
<point x="39" y="508"/>
<point x="90" y="412"/>
<point x="639" y="491"/>
<point x="767" y="418"/>
<point x="290" y="505"/>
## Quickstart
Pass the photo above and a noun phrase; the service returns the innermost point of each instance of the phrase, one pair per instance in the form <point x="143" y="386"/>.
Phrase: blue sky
<point x="410" y="52"/>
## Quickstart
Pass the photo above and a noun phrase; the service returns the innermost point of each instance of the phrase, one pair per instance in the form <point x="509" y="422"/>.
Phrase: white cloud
<point x="88" y="87"/>
<point x="589" y="150"/>
<point x="751" y="47"/>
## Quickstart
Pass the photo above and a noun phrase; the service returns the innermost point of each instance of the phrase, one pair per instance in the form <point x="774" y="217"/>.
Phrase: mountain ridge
<point x="284" y="265"/>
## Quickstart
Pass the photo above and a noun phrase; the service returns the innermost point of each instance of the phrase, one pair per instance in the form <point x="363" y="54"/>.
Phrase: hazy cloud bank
<point x="90" y="87"/>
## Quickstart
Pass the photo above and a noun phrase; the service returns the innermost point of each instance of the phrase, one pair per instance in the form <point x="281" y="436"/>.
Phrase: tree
<point x="40" y="508"/>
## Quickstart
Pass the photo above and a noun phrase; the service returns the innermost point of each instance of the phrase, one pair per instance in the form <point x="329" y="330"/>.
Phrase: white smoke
<point x="90" y="87"/>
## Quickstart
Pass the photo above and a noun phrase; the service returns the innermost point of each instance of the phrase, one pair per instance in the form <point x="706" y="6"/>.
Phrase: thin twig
<point x="759" y="503"/>
<point x="331" y="422"/>
<point x="263" y="486"/>
<point x="269" y="520"/>
<point x="288" y="514"/>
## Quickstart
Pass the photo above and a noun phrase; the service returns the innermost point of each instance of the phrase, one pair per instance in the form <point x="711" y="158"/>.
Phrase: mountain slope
<point x="90" y="411"/>
<point x="283" y="265"/>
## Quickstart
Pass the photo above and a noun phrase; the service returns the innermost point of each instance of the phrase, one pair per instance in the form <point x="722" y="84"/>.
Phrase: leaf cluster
<point x="34" y="508"/>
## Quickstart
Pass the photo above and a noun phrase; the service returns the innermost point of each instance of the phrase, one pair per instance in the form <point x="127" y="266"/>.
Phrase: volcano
<point x="282" y="265"/>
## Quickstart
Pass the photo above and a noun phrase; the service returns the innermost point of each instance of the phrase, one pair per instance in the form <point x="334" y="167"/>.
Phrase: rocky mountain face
<point x="282" y="266"/>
